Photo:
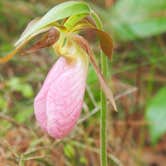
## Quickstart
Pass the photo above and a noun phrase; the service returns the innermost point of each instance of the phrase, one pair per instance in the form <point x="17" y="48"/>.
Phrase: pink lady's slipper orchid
<point x="59" y="102"/>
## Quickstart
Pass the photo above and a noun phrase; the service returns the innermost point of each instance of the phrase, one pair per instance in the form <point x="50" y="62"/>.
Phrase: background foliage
<point x="136" y="134"/>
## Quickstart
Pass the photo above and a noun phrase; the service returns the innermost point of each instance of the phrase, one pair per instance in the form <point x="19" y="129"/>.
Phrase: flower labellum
<point x="59" y="102"/>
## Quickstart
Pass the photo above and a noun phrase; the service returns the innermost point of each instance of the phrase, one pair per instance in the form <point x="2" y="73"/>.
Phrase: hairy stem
<point x="103" y="114"/>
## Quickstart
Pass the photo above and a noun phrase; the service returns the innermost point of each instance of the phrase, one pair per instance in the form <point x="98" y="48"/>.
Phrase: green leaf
<point x="83" y="160"/>
<point x="29" y="26"/>
<point x="25" y="89"/>
<point x="59" y="12"/>
<point x="131" y="19"/>
<point x="69" y="150"/>
<point x="97" y="20"/>
<point x="92" y="78"/>
<point x="156" y="115"/>
<point x="23" y="115"/>
<point x="73" y="20"/>
<point x="3" y="103"/>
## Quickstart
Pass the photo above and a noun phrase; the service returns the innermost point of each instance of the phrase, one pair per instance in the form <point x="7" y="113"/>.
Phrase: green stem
<point x="103" y="112"/>
<point x="103" y="115"/>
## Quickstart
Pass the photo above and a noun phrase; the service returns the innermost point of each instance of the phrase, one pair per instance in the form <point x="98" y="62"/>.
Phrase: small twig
<point x="7" y="118"/>
<point x="127" y="92"/>
<point x="89" y="115"/>
<point x="95" y="150"/>
<point x="133" y="123"/>
<point x="48" y="147"/>
<point x="85" y="107"/>
<point x="33" y="158"/>
<point x="4" y="142"/>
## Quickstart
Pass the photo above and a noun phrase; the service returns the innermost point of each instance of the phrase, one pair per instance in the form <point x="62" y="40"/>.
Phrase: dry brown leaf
<point x="106" y="42"/>
<point x="105" y="39"/>
<point x="48" y="39"/>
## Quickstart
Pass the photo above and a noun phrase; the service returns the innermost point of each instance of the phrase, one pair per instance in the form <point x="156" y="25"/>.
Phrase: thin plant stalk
<point x="103" y="115"/>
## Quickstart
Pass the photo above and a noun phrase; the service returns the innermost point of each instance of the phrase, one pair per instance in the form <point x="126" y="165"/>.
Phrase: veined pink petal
<point x="65" y="99"/>
<point x="59" y="102"/>
<point x="40" y="100"/>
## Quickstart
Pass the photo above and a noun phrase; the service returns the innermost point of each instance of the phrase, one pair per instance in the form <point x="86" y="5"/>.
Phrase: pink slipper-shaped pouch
<point x="59" y="102"/>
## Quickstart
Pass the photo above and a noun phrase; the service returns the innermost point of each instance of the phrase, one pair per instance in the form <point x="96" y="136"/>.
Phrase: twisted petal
<point x="59" y="102"/>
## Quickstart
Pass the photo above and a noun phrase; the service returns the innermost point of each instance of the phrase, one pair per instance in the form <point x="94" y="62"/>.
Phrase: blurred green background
<point x="137" y="75"/>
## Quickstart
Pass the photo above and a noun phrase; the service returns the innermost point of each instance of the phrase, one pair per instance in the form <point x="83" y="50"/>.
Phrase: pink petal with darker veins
<point x="40" y="99"/>
<point x="59" y="102"/>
